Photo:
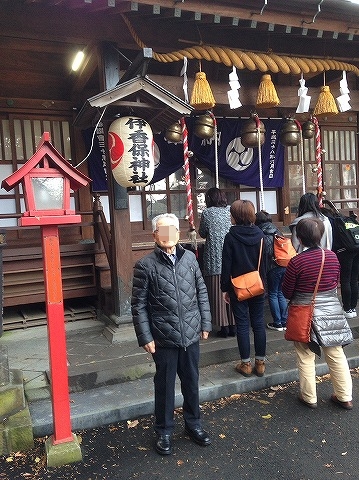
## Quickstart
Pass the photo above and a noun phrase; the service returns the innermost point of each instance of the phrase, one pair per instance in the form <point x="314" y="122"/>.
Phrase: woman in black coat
<point x="241" y="251"/>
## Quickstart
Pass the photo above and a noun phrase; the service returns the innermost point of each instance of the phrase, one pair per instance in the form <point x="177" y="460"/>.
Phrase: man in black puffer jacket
<point x="170" y="311"/>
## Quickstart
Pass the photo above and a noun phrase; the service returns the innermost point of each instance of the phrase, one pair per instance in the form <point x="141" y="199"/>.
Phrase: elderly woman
<point x="332" y="329"/>
<point x="215" y="223"/>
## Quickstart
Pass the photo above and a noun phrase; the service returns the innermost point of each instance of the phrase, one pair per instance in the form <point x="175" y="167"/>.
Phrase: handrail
<point x="102" y="231"/>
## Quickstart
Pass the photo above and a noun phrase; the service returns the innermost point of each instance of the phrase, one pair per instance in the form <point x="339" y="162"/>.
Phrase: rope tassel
<point x="267" y="95"/>
<point x="202" y="97"/>
<point x="326" y="103"/>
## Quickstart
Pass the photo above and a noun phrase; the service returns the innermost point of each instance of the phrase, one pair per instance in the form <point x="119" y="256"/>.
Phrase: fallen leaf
<point x="235" y="395"/>
<point x="132" y="423"/>
<point x="10" y="459"/>
<point x="267" y="417"/>
<point x="222" y="435"/>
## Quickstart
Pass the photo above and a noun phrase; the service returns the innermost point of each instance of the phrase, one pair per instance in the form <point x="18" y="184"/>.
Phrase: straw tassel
<point x="202" y="97"/>
<point x="267" y="96"/>
<point x="326" y="103"/>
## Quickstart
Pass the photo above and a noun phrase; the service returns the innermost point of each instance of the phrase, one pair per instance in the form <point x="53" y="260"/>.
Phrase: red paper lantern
<point x="131" y="148"/>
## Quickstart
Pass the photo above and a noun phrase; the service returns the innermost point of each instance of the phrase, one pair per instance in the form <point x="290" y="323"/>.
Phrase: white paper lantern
<point x="131" y="149"/>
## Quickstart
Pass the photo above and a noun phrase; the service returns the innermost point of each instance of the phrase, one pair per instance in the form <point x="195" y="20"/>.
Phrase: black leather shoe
<point x="163" y="445"/>
<point x="198" y="435"/>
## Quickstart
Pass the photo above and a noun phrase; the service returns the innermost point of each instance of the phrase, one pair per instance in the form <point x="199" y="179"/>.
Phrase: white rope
<point x="92" y="139"/>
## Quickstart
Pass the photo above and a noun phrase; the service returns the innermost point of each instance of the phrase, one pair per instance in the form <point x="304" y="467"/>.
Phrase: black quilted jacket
<point x="169" y="304"/>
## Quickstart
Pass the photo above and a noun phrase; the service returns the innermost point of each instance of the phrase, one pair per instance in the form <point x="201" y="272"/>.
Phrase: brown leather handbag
<point x="299" y="321"/>
<point x="249" y="284"/>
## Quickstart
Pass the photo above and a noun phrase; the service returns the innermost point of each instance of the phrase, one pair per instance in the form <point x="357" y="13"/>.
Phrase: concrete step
<point x="127" y="362"/>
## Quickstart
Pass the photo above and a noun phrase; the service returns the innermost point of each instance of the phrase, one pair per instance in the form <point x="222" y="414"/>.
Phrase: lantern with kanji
<point x="131" y="149"/>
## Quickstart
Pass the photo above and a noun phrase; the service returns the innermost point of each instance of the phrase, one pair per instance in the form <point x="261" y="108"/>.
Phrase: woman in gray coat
<point x="215" y="223"/>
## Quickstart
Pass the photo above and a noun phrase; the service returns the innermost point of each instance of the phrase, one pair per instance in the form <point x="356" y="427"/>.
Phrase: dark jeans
<point x="349" y="271"/>
<point x="276" y="300"/>
<point x="169" y="362"/>
<point x="250" y="313"/>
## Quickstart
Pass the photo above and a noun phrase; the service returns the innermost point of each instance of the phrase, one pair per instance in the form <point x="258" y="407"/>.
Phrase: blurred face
<point x="166" y="235"/>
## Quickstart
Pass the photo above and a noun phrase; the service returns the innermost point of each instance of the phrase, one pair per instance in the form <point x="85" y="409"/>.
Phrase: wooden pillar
<point x="121" y="240"/>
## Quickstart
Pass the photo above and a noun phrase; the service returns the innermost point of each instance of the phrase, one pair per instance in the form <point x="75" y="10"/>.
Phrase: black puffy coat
<point x="169" y="303"/>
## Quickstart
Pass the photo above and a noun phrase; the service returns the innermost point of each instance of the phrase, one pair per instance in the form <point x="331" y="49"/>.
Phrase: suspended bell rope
<point x="318" y="155"/>
<point x="258" y="127"/>
<point x="250" y="60"/>
<point x="192" y="231"/>
<point x="301" y="145"/>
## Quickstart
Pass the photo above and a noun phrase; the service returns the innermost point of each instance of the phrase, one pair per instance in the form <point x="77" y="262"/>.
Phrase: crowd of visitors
<point x="175" y="302"/>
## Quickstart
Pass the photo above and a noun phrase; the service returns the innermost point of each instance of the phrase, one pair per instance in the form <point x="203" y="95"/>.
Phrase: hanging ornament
<point x="344" y="98"/>
<point x="304" y="99"/>
<point x="233" y="93"/>
<point x="183" y="74"/>
<point x="308" y="129"/>
<point x="204" y="126"/>
<point x="250" y="135"/>
<point x="290" y="133"/>
<point x="130" y="144"/>
<point x="267" y="96"/>
<point x="326" y="103"/>
<point x="173" y="133"/>
<point x="202" y="97"/>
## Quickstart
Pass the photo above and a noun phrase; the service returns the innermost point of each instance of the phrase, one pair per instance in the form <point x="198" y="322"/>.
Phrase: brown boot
<point x="245" y="368"/>
<point x="259" y="368"/>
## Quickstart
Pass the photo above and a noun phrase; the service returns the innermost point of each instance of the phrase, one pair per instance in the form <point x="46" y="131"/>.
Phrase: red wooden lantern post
<point x="47" y="179"/>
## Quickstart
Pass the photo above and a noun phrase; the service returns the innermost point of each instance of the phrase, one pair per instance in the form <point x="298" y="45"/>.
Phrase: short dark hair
<point x="262" y="217"/>
<point x="214" y="197"/>
<point x="309" y="203"/>
<point x="310" y="231"/>
<point x="243" y="212"/>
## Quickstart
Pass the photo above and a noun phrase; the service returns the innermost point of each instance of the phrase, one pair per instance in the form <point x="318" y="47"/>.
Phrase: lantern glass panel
<point x="48" y="193"/>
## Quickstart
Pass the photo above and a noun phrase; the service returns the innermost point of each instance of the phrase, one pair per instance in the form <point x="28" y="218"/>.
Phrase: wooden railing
<point x="102" y="231"/>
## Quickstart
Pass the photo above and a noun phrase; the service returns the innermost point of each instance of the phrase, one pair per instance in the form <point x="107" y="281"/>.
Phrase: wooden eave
<point x="138" y="96"/>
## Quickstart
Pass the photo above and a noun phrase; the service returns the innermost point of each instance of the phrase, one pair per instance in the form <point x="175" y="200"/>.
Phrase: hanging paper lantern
<point x="202" y="97"/>
<point x="326" y="103"/>
<point x="131" y="149"/>
<point x="252" y="128"/>
<point x="204" y="126"/>
<point x="267" y="96"/>
<point x="290" y="133"/>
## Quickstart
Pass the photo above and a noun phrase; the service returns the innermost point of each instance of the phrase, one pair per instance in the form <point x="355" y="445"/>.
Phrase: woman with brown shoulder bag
<point x="329" y="330"/>
<point x="244" y="257"/>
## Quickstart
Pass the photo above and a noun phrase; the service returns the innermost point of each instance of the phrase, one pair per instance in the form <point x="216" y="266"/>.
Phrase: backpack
<point x="283" y="250"/>
<point x="346" y="230"/>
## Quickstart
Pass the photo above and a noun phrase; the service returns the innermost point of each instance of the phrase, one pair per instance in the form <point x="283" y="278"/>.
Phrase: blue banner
<point x="236" y="163"/>
<point x="95" y="144"/>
